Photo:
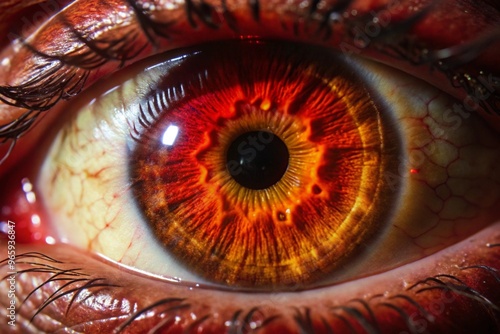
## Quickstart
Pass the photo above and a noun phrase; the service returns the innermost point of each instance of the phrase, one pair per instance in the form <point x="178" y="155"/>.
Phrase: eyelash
<point x="65" y="76"/>
<point x="99" y="57"/>
<point x="355" y="313"/>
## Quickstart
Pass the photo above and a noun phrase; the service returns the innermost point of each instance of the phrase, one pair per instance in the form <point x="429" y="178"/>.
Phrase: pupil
<point x="257" y="159"/>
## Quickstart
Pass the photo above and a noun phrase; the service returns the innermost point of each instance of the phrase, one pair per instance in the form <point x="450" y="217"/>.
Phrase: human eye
<point x="449" y="286"/>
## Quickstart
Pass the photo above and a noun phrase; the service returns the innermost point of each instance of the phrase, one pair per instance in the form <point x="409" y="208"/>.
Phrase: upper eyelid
<point x="141" y="20"/>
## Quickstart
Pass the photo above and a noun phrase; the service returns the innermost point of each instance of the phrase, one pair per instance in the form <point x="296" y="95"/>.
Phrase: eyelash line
<point x="369" y="325"/>
<point x="367" y="322"/>
<point x="151" y="110"/>
<point x="362" y="316"/>
<point x="70" y="276"/>
<point x="28" y="119"/>
<point x="447" y="61"/>
<point x="27" y="95"/>
<point x="146" y="25"/>
<point x="178" y="305"/>
<point x="50" y="85"/>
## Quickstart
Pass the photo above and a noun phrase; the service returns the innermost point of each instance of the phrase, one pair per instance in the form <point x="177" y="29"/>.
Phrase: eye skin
<point x="89" y="294"/>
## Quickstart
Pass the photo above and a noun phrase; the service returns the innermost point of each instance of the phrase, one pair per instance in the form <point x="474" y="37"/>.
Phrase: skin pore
<point x="59" y="287"/>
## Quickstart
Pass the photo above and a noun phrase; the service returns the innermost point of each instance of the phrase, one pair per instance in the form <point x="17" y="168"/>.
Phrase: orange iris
<point x="265" y="166"/>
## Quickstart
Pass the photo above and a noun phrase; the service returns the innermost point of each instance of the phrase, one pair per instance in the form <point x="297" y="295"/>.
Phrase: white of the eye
<point x="99" y="213"/>
<point x="170" y="135"/>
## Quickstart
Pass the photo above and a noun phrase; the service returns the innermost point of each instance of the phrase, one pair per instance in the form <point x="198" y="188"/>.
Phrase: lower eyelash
<point x="74" y="280"/>
<point x="357" y="315"/>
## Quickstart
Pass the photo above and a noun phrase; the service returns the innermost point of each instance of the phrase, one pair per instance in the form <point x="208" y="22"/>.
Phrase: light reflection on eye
<point x="171" y="128"/>
<point x="170" y="135"/>
<point x="343" y="148"/>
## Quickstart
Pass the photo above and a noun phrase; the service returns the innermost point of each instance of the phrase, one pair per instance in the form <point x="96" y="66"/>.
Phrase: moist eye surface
<point x="275" y="176"/>
<point x="366" y="175"/>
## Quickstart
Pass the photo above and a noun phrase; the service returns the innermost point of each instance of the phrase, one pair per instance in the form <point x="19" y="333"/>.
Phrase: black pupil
<point x="257" y="159"/>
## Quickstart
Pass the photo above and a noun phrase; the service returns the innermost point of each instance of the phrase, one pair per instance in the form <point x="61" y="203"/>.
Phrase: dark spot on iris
<point x="316" y="190"/>
<point x="281" y="216"/>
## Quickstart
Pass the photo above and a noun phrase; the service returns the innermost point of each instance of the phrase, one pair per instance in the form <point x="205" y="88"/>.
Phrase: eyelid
<point x="134" y="32"/>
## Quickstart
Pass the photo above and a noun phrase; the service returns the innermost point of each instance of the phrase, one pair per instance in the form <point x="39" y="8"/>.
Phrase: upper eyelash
<point x="15" y="129"/>
<point x="46" y="89"/>
<point x="449" y="61"/>
<point x="49" y="86"/>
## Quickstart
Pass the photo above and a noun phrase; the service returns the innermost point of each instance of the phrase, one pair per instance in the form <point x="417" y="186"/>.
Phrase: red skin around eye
<point x="432" y="31"/>
<point x="21" y="17"/>
<point x="457" y="314"/>
<point x="455" y="291"/>
<point x="21" y="205"/>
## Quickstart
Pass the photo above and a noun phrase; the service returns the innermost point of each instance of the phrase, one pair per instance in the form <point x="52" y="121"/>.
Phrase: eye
<point x="363" y="303"/>
<point x="346" y="182"/>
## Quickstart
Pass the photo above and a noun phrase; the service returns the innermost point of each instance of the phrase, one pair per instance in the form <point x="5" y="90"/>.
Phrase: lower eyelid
<point x="139" y="287"/>
<point x="465" y="280"/>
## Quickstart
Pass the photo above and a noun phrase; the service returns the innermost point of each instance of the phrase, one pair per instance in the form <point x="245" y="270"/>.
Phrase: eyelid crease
<point x="60" y="73"/>
<point x="16" y="95"/>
